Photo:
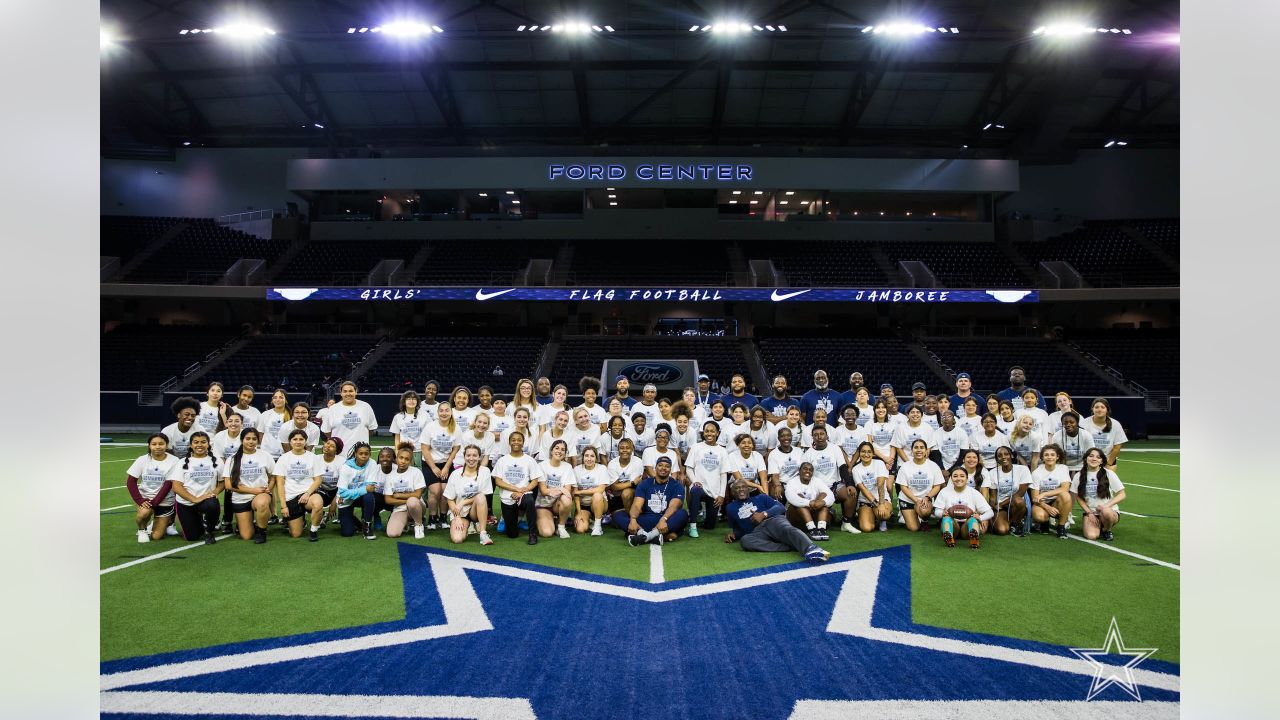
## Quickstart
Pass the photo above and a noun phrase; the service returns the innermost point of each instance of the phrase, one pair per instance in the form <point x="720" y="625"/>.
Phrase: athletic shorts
<point x="243" y="507"/>
<point x="544" y="502"/>
<point x="159" y="511"/>
<point x="294" y="508"/>
<point x="429" y="476"/>
<point x="864" y="502"/>
<point x="328" y="493"/>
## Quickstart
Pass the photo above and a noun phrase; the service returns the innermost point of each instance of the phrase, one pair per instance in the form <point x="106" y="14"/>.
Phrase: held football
<point x="959" y="512"/>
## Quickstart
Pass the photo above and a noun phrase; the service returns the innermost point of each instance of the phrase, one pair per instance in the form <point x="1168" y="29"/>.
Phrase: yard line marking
<point x="1122" y="512"/>
<point x="1148" y="462"/>
<point x="113" y="487"/>
<point x="128" y="459"/>
<point x="1152" y="487"/>
<point x="965" y="709"/>
<point x="276" y="704"/>
<point x="1112" y="548"/>
<point x="1156" y="450"/>
<point x="141" y="560"/>
<point x="115" y="507"/>
<point x="656" y="573"/>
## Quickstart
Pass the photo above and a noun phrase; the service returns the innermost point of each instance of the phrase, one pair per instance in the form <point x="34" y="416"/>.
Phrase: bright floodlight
<point x="730" y="27"/>
<point x="901" y="28"/>
<point x="405" y="29"/>
<point x="243" y="30"/>
<point x="105" y="39"/>
<point x="1064" y="29"/>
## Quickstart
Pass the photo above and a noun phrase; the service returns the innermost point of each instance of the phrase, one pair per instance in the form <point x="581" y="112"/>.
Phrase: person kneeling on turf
<point x="759" y="523"/>
<point x="466" y="492"/>
<point x="657" y="512"/>
<point x="809" y="500"/>
<point x="960" y="503"/>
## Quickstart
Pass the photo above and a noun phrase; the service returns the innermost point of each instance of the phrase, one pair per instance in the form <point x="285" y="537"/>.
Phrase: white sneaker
<point x="596" y="529"/>
<point x="171" y="531"/>
<point x="485" y="539"/>
<point x="849" y="528"/>
<point x="471" y="529"/>
<point x="419" y="532"/>
<point x="151" y="525"/>
<point x="562" y="532"/>
<point x="144" y="536"/>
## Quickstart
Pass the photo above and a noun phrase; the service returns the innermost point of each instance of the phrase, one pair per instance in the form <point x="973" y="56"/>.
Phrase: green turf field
<point x="1038" y="587"/>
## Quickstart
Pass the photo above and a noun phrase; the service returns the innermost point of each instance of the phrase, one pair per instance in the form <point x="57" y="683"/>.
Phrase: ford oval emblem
<point x="657" y="373"/>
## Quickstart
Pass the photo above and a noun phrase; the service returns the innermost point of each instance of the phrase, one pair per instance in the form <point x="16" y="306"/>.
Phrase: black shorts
<point x="328" y="493"/>
<point x="429" y="476"/>
<point x="295" y="509"/>
<point x="244" y="507"/>
<point x="159" y="511"/>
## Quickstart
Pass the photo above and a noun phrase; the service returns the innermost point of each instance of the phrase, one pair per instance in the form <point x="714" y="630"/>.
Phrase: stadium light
<point x="105" y="39"/>
<point x="900" y="29"/>
<point x="759" y="192"/>
<point x="733" y="202"/>
<point x="791" y="192"/>
<point x="511" y="192"/>
<point x="234" y="30"/>
<point x="402" y="29"/>
<point x="568" y="27"/>
<point x="755" y="202"/>
<point x="737" y="192"/>
<point x="484" y="194"/>
<point x="613" y="204"/>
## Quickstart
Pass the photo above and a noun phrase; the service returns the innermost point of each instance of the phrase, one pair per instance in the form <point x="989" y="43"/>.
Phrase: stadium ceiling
<point x="680" y="73"/>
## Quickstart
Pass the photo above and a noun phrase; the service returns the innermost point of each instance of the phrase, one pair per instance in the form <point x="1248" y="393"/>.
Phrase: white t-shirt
<point x="298" y="472"/>
<point x="864" y="414"/>
<point x="152" y="474"/>
<point x="950" y="444"/>
<point x="932" y="421"/>
<point x="1044" y="480"/>
<point x="968" y="497"/>
<point x="1006" y="483"/>
<point x="546" y="414"/>
<point x="799" y="494"/>
<point x="1102" y="439"/>
<point x="428" y="412"/>
<point x="499" y="424"/>
<point x="463" y="418"/>
<point x="547" y="439"/>
<point x="255" y="472"/>
<point x="464" y="490"/>
<point x="352" y="423"/>
<point x="1041" y="418"/>
<point x="586" y="479"/>
<point x="970" y="425"/>
<point x="848" y="440"/>
<point x="1088" y="480"/>
<point x="269" y="424"/>
<point x="180" y="442"/>
<point x="764" y="438"/>
<point x="503" y="447"/>
<point x="329" y="470"/>
<point x="485" y="442"/>
<point x="1007" y="426"/>
<point x="869" y="476"/>
<point x="642" y="441"/>
<point x="403" y="482"/>
<point x="580" y="439"/>
<point x="208" y="417"/>
<point x="349" y="477"/>
<point x="556" y="477"/>
<point x="652" y="414"/>
<point x="652" y="454"/>
<point x="250" y="415"/>
<point x="785" y="465"/>
<point x="799" y="435"/>
<point x="987" y="446"/>
<point x="706" y="464"/>
<point x="920" y="477"/>
<point x="826" y="463"/>
<point x="437" y="442"/>
<point x="684" y="441"/>
<point x="199" y="477"/>
<point x="881" y="435"/>
<point x="377" y="478"/>
<point x="598" y="414"/>
<point x="408" y="427"/>
<point x="520" y="471"/>
<point x="631" y="472"/>
<point x="749" y="466"/>
<point x="607" y="444"/>
<point x="224" y="446"/>
<point x="312" y="431"/>
<point x="1073" y="448"/>
<point x="1026" y="446"/>
<point x="905" y="435"/>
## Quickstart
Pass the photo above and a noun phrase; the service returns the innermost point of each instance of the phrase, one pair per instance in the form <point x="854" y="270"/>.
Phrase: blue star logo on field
<point x="1107" y="674"/>
<point x="495" y="639"/>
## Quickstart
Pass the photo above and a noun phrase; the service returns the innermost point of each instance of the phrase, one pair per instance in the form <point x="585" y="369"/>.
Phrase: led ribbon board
<point x="654" y="294"/>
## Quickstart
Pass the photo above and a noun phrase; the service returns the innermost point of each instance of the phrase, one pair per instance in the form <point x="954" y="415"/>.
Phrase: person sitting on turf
<point x="1098" y="491"/>
<point x="517" y="475"/>
<point x="466" y="490"/>
<point x="760" y="525"/>
<point x="149" y="486"/>
<point x="1051" y="491"/>
<point x="1005" y="486"/>
<point x="402" y="492"/>
<point x="869" y="489"/>
<point x="590" y="479"/>
<point x="958" y="495"/>
<point x="657" y="513"/>
<point x="919" y="480"/>
<point x="625" y="473"/>
<point x="248" y="482"/>
<point x="297" y="477"/>
<point x="809" y="501"/>
<point x="555" y="491"/>
<point x="357" y="483"/>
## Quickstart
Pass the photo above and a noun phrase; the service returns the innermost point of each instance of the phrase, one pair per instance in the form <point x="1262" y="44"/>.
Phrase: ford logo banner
<point x="657" y="373"/>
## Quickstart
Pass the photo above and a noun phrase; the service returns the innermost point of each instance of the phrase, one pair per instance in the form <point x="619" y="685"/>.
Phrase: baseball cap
<point x="620" y="377"/>
<point x="963" y="376"/>
<point x="918" y="386"/>
<point x="661" y="459"/>
<point x="703" y="377"/>
<point x="886" y="386"/>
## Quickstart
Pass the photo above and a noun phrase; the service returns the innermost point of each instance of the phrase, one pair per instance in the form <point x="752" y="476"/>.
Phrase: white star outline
<point x="1113" y="672"/>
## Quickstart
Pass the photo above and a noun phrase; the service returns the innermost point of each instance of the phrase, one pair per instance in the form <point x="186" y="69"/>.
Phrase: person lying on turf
<point x="760" y="525"/>
<point x="657" y="513"/>
<point x="809" y="501"/>
<point x="960" y="503"/>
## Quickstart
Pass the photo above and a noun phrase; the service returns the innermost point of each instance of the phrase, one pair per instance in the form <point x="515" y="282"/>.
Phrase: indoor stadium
<point x="456" y="356"/>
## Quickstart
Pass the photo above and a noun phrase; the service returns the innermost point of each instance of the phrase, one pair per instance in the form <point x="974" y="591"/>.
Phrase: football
<point x="959" y="512"/>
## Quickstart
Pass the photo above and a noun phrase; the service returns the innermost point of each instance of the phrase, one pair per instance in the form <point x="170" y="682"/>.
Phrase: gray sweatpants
<point x="776" y="534"/>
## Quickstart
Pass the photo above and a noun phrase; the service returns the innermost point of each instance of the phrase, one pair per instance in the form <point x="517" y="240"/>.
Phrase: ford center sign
<point x="656" y="373"/>
<point x="669" y="375"/>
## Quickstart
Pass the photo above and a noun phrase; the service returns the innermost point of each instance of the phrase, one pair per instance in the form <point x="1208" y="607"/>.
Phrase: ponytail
<point x="186" y="462"/>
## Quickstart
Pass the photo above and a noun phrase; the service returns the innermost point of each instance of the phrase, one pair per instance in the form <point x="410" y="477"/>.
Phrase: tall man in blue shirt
<point x="760" y="524"/>
<point x="777" y="403"/>
<point x="964" y="391"/>
<point x="622" y="391"/>
<point x="1017" y="386"/>
<point x="821" y="396"/>
<point x="657" y="513"/>
<point x="738" y="393"/>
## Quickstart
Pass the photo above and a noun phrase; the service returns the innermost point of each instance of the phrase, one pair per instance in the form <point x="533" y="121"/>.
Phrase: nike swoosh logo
<point x="482" y="295"/>
<point x="776" y="296"/>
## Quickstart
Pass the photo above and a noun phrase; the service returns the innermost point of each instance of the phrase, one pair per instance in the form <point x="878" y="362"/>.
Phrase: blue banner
<point x="654" y="294"/>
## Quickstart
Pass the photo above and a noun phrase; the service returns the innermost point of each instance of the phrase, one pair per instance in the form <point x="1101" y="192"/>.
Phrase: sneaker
<point x="1106" y="535"/>
<point x="533" y="538"/>
<point x="693" y="531"/>
<point x="524" y="525"/>
<point x="259" y="536"/>
<point x="636" y="540"/>
<point x="822" y="534"/>
<point x="597" y="530"/>
<point x="1062" y="532"/>
<point x="884" y="526"/>
<point x="485" y="539"/>
<point x="606" y="520"/>
<point x="949" y="539"/>
<point x="274" y="520"/>
<point x="368" y="532"/>
<point x="813" y="534"/>
<point x="849" y="528"/>
<point x="209" y="539"/>
<point x="1016" y="530"/>
<point x="658" y="539"/>
<point x="471" y="528"/>
<point x="816" y="556"/>
<point x="431" y="525"/>
<point x="144" y="536"/>
<point x="493" y="521"/>
<point x="562" y="533"/>
<point x="171" y="531"/>
<point x="313" y="536"/>
<point x="973" y="540"/>
<point x="419" y="532"/>
<point x="502" y="525"/>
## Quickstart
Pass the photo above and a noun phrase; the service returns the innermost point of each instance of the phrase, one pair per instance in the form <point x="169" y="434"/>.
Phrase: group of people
<point x="775" y="469"/>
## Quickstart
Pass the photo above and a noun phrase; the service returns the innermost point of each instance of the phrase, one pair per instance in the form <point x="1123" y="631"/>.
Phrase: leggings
<point x="511" y="515"/>
<point x="699" y="498"/>
<point x="370" y="505"/>
<point x="196" y="520"/>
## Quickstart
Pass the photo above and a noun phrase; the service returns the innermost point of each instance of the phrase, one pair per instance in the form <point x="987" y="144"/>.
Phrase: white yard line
<point x="116" y="507"/>
<point x="1152" y="487"/>
<point x="139" y="561"/>
<point x="1112" y="548"/>
<point x="1148" y="462"/>
<point x="113" y="487"/>
<point x="1122" y="512"/>
<point x="1154" y="450"/>
<point x="656" y="573"/>
<point x="100" y="462"/>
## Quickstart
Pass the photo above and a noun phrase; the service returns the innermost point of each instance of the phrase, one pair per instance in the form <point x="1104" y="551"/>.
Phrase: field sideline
<point x="1037" y="588"/>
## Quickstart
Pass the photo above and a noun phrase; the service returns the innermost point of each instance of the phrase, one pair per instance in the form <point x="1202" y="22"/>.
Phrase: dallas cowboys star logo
<point x="497" y="639"/>
<point x="1106" y="674"/>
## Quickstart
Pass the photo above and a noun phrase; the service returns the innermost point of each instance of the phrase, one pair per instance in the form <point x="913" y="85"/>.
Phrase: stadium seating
<point x="332" y="262"/>
<point x="1162" y="232"/>
<point x="822" y="264"/>
<point x="1147" y="357"/>
<point x="123" y="236"/>
<point x="201" y="253"/>
<point x="1104" y="255"/>
<point x="294" y="362"/>
<point x="880" y="358"/>
<point x="630" y="264"/>
<point x="718" y="357"/>
<point x="133" y="355"/>
<point x="462" y="262"/>
<point x="1049" y="366"/>
<point x="455" y="360"/>
<point x="961" y="265"/>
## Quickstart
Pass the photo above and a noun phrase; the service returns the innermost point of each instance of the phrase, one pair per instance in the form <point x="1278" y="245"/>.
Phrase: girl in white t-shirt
<point x="862" y="405"/>
<point x="625" y="473"/>
<point x="989" y="440"/>
<point x="523" y="398"/>
<point x="907" y="433"/>
<point x="819" y="420"/>
<point x="1108" y="434"/>
<point x="582" y="435"/>
<point x="959" y="493"/>
<point x="297" y="477"/>
<point x="1073" y="441"/>
<point x="227" y="442"/>
<point x="499" y="420"/>
<point x="195" y="482"/>
<point x="919" y="480"/>
<point x="1031" y="407"/>
<point x="849" y="434"/>
<point x="402" y="492"/>
<point x="148" y="482"/>
<point x="407" y="425"/>
<point x="968" y="418"/>
<point x="971" y="461"/>
<point x="517" y="475"/>
<point x="466" y="493"/>
<point x="557" y="430"/>
<point x="686" y="434"/>
<point x="761" y="431"/>
<point x="608" y="443"/>
<point x="867" y="497"/>
<point x="428" y="404"/>
<point x="213" y="412"/>
<point x="555" y="491"/>
<point x="270" y="422"/>
<point x="1062" y="402"/>
<point x="799" y="439"/>
<point x="745" y="465"/>
<point x="880" y="432"/>
<point x="1098" y="491"/>
<point x="1051" y="492"/>
<point x="478" y="434"/>
<point x="590" y="395"/>
<point x="547" y="413"/>
<point x="439" y="442"/>
<point x="705" y="470"/>
<point x="247" y="475"/>
<point x="1007" y="420"/>
<point x="739" y="424"/>
<point x="1006" y="486"/>
<point x="784" y="460"/>
<point x="1026" y="442"/>
<point x="522" y="422"/>
<point x="590" y="479"/>
<point x="463" y="413"/>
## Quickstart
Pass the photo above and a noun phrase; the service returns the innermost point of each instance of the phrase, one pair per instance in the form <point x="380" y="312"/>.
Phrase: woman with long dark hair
<point x="1098" y="491"/>
<point x="1005" y="486"/>
<point x="149" y="486"/>
<point x="1051" y="491"/>
<point x="1108" y="433"/>
<point x="247" y="475"/>
<point x="195" y="482"/>
<point x="960" y="503"/>
<point x="297" y="477"/>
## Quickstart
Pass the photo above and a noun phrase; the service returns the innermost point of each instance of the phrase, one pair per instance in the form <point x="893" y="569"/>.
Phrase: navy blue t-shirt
<point x="740" y="512"/>
<point x="657" y="496"/>
<point x="543" y="399"/>
<point x="1015" y="397"/>
<point x="957" y="403"/>
<point x="748" y="401"/>
<point x="774" y="406"/>
<point x="828" y="399"/>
